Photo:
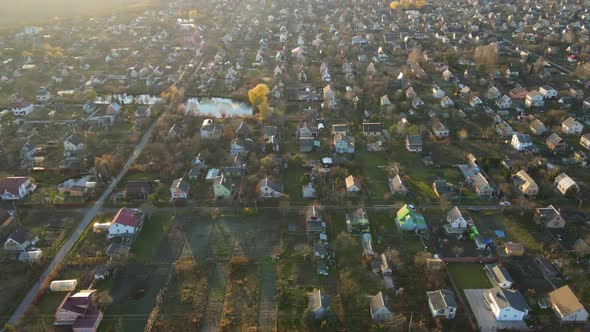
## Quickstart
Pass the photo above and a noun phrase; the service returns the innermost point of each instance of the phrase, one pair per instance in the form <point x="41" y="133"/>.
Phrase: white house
<point x="498" y="275"/>
<point x="548" y="92"/>
<point x="506" y="304"/>
<point x="268" y="189"/>
<point x="16" y="187"/>
<point x="566" y="305"/>
<point x="308" y="190"/>
<point x="564" y="183"/>
<point x="353" y="185"/>
<point x="521" y="142"/>
<point x="22" y="108"/>
<point x="73" y="143"/>
<point x="455" y="218"/>
<point x="475" y="101"/>
<point x="446" y="102"/>
<point x="379" y="310"/>
<point x="180" y="188"/>
<point x="42" y="95"/>
<point x="504" y="102"/>
<point x="442" y="303"/>
<point x="125" y="223"/>
<point x="437" y="92"/>
<point x="534" y="99"/>
<point x="440" y="130"/>
<point x="572" y="126"/>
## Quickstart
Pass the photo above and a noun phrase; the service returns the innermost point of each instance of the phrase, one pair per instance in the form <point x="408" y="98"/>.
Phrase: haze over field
<point x="17" y="13"/>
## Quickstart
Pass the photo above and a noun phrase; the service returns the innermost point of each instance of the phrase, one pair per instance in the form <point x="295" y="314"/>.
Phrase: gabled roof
<point x="509" y="298"/>
<point x="498" y="273"/>
<point x="21" y="235"/>
<point x="565" y="300"/>
<point x="454" y="214"/>
<point x="442" y="299"/>
<point x="369" y="127"/>
<point x="569" y="122"/>
<point x="74" y="139"/>
<point x="181" y="184"/>
<point x="352" y="181"/>
<point x="378" y="302"/>
<point x="554" y="139"/>
<point x="267" y="182"/>
<point x="126" y="217"/>
<point x="12" y="183"/>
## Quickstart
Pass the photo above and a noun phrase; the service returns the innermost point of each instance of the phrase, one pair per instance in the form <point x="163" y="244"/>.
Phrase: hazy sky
<point x="22" y="12"/>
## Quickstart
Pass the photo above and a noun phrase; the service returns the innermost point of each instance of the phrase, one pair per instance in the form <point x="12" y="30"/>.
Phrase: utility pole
<point x="411" y="317"/>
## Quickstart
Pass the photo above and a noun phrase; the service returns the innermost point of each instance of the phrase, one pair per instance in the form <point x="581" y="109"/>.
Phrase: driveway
<point x="485" y="319"/>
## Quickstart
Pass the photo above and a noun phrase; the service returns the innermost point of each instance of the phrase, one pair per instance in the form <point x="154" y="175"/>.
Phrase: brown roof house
<point x="567" y="306"/>
<point x="380" y="311"/>
<point x="397" y="187"/>
<point x="79" y="311"/>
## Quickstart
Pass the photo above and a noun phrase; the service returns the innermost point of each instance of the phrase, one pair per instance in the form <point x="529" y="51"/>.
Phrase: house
<point x="22" y="108"/>
<point x="537" y="127"/>
<point x="411" y="93"/>
<point x="243" y="131"/>
<point x="437" y="92"/>
<point x="493" y="93"/>
<point x="397" y="187"/>
<point x="372" y="128"/>
<point x="20" y="240"/>
<point x="209" y="130"/>
<point x="504" y="102"/>
<point x="308" y="190"/>
<point x="73" y="143"/>
<point x="518" y="92"/>
<point x="314" y="223"/>
<point x="455" y="218"/>
<point x="555" y="143"/>
<point x="237" y="147"/>
<point x="409" y="220"/>
<point x="417" y="102"/>
<point x="101" y="272"/>
<point x="414" y="143"/>
<point x="514" y="249"/>
<point x="114" y="108"/>
<point x="16" y="187"/>
<point x="576" y="93"/>
<point x="481" y="186"/>
<point x="504" y="129"/>
<point x="571" y="126"/>
<point x="379" y="309"/>
<point x="506" y="304"/>
<point x="268" y="189"/>
<point x="521" y="142"/>
<point x="475" y="101"/>
<point x="343" y="143"/>
<point x="547" y="268"/>
<point x="567" y="306"/>
<point x="79" y="311"/>
<point x="270" y="131"/>
<point x="525" y="184"/>
<point x="440" y="130"/>
<point x="330" y="96"/>
<point x="353" y="185"/>
<point x="222" y="187"/>
<point x="180" y="188"/>
<point x="442" y="303"/>
<point x="565" y="184"/>
<point x="142" y="112"/>
<point x="318" y="304"/>
<point x="138" y="190"/>
<point x="357" y="221"/>
<point x="385" y="103"/>
<point x="306" y="144"/>
<point x="42" y="95"/>
<point x="585" y="141"/>
<point x="446" y="102"/>
<point x="126" y="223"/>
<point x="442" y="188"/>
<point x="498" y="275"/>
<point x="549" y="217"/>
<point x="534" y="99"/>
<point x="548" y="92"/>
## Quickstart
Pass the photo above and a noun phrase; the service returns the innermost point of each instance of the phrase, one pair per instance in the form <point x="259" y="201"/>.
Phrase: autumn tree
<point x="193" y="14"/>
<point x="415" y="55"/>
<point x="487" y="55"/>
<point x="258" y="95"/>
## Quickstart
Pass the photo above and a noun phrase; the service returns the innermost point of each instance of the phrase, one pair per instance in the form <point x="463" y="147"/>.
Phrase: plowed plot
<point x="240" y="310"/>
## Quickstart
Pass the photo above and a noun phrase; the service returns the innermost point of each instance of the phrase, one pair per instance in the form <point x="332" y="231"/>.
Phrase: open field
<point x="469" y="275"/>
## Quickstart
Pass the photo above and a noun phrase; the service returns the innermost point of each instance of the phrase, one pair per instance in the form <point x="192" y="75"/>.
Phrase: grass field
<point x="152" y="233"/>
<point x="469" y="275"/>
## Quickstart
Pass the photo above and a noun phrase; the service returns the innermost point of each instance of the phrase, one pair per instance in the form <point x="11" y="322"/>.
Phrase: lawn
<point x="469" y="275"/>
<point x="150" y="236"/>
<point x="292" y="180"/>
<point x="517" y="228"/>
<point x="376" y="177"/>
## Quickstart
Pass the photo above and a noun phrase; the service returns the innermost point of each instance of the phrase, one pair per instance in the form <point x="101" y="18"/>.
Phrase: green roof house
<point x="408" y="220"/>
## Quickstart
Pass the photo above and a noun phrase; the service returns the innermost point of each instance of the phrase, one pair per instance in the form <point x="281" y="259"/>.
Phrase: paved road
<point x="88" y="217"/>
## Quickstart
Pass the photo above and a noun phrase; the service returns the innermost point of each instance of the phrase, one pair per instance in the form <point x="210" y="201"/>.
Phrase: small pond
<point x="217" y="107"/>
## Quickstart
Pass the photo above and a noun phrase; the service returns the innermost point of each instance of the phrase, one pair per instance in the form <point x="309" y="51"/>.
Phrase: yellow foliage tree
<point x="394" y="5"/>
<point x="193" y="14"/>
<point x="258" y="95"/>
